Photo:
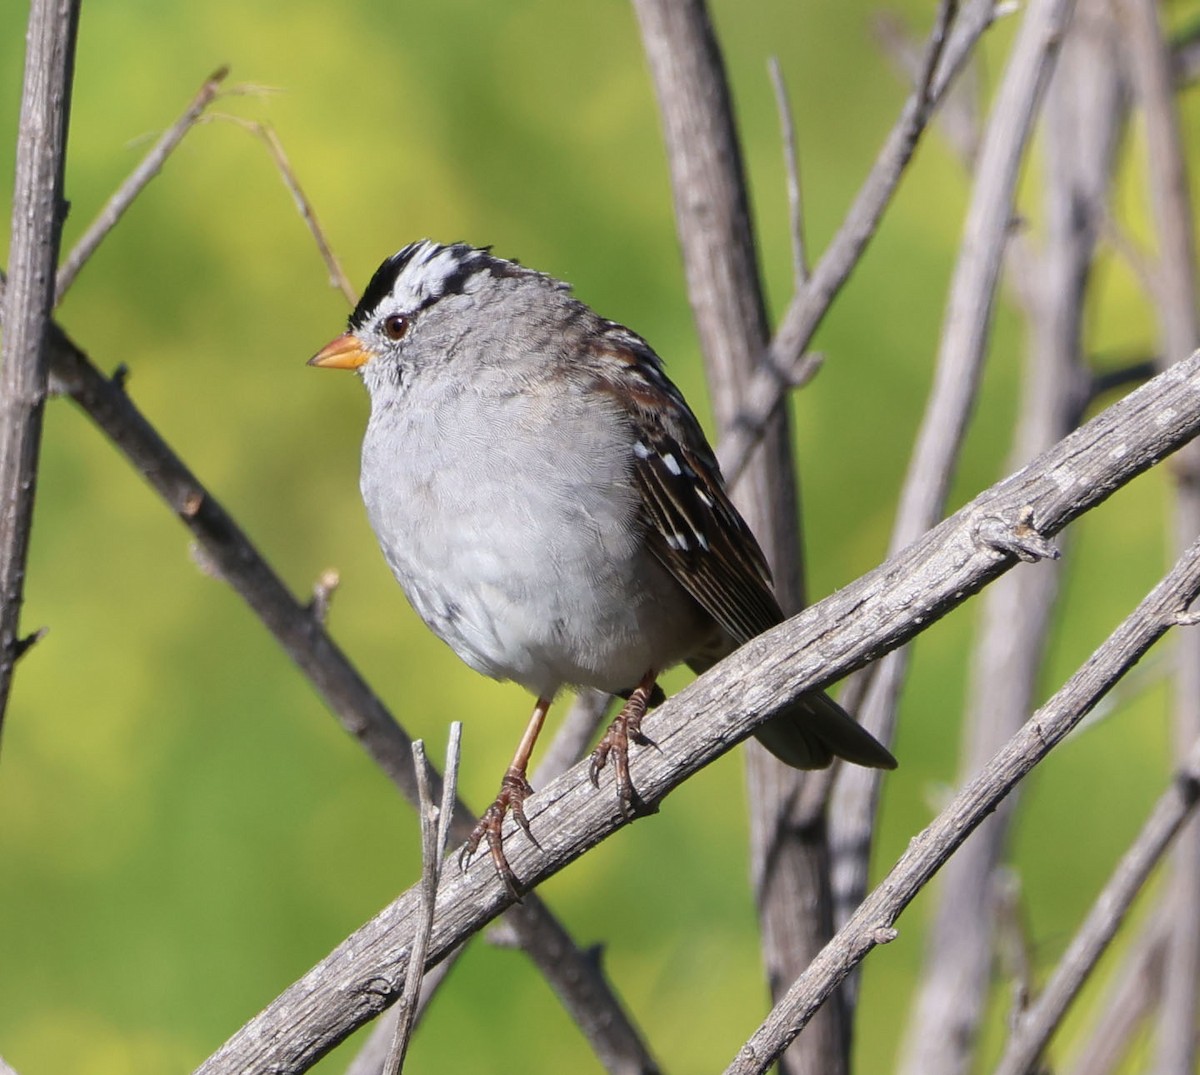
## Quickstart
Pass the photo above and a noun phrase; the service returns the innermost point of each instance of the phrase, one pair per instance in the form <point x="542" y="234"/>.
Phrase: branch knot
<point x="1018" y="537"/>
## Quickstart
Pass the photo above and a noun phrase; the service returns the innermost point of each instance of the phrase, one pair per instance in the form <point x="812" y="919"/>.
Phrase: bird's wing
<point x="691" y="525"/>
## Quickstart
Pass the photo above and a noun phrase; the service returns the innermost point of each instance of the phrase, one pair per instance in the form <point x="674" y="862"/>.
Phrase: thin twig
<point x="885" y="608"/>
<point x="1173" y="808"/>
<point x="322" y="594"/>
<point x="449" y="788"/>
<point x="125" y="195"/>
<point x="1132" y="995"/>
<point x="958" y="111"/>
<point x="946" y="53"/>
<point x="872" y="923"/>
<point x="571" y="740"/>
<point x="434" y="830"/>
<point x="430" y="868"/>
<point x="266" y="134"/>
<point x="37" y="216"/>
<point x="791" y="165"/>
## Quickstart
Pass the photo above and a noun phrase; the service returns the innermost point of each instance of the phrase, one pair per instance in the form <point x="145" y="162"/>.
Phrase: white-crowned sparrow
<point x="550" y="506"/>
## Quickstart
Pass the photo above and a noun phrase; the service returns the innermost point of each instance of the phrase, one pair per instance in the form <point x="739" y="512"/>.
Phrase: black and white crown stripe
<point x="424" y="272"/>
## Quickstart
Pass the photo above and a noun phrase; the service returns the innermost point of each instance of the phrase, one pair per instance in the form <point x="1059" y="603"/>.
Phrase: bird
<point x="551" y="508"/>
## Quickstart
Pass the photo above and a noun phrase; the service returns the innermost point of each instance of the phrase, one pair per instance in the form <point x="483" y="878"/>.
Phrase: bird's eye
<point x="395" y="326"/>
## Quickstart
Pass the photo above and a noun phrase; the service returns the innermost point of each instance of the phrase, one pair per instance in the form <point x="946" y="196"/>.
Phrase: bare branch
<point x="149" y="167"/>
<point x="37" y="216"/>
<point x="958" y="111"/>
<point x="1132" y="995"/>
<point x="872" y="923"/>
<point x="716" y="237"/>
<point x="791" y="164"/>
<point x="944" y="59"/>
<point x="1179" y="327"/>
<point x="785" y="364"/>
<point x="885" y="608"/>
<point x="1084" y="115"/>
<point x="1173" y="808"/>
<point x="266" y="134"/>
<point x="427" y="889"/>
<point x="956" y="381"/>
<point x="434" y="830"/>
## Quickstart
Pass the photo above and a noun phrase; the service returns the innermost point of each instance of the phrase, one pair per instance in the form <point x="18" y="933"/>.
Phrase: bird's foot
<point x="614" y="743"/>
<point x="514" y="790"/>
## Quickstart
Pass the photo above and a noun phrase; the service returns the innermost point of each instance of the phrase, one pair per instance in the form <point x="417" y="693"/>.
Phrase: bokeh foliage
<point x="183" y="829"/>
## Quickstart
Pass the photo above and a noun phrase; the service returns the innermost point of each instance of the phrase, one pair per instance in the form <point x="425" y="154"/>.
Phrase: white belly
<point x="528" y="572"/>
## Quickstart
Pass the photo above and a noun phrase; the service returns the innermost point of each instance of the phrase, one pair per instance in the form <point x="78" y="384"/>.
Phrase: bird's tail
<point x="814" y="731"/>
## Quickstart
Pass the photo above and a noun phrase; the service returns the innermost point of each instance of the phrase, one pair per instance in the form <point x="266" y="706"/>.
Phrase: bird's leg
<point x="626" y="726"/>
<point x="514" y="789"/>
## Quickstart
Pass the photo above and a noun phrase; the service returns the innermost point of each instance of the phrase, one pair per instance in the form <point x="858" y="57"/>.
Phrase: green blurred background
<point x="184" y="830"/>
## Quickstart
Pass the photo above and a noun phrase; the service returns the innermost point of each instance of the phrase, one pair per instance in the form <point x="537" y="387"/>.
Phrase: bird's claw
<point x="514" y="790"/>
<point x="614" y="744"/>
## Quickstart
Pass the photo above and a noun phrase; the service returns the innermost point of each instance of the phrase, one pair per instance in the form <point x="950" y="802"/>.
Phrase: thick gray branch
<point x="38" y="212"/>
<point x="956" y="380"/>
<point x="716" y="236"/>
<point x="1179" y="330"/>
<point x="884" y="609"/>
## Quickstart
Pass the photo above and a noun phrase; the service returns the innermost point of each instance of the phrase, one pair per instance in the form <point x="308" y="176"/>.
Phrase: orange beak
<point x="344" y="353"/>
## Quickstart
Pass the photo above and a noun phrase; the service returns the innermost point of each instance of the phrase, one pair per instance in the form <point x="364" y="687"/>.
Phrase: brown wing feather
<point x="711" y="552"/>
<point x="692" y="526"/>
<point x="699" y="536"/>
